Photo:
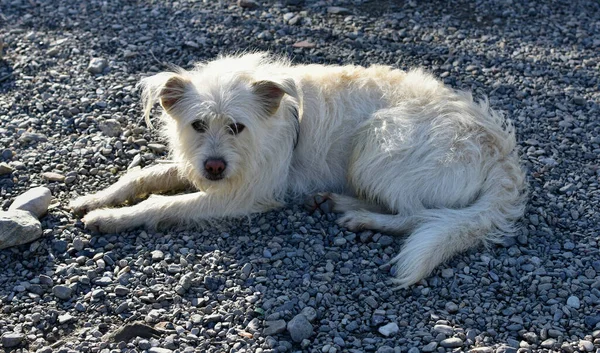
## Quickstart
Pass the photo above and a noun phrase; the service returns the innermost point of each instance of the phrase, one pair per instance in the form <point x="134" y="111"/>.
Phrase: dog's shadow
<point x="7" y="72"/>
<point x="269" y="266"/>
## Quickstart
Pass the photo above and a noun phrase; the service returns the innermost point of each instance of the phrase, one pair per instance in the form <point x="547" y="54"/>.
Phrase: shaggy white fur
<point x="394" y="151"/>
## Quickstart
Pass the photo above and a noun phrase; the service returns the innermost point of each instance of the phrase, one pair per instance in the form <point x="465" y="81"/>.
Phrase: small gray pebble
<point x="10" y="340"/>
<point x="451" y="307"/>
<point x="97" y="65"/>
<point x="445" y="329"/>
<point x="447" y="273"/>
<point x="310" y="313"/>
<point x="453" y="342"/>
<point x="62" y="292"/>
<point x="430" y="347"/>
<point x="389" y="330"/>
<point x="274" y="327"/>
<point x="299" y="328"/>
<point x="573" y="302"/>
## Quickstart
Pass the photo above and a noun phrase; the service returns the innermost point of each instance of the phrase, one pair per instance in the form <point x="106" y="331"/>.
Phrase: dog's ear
<point x="166" y="87"/>
<point x="270" y="93"/>
<point x="173" y="91"/>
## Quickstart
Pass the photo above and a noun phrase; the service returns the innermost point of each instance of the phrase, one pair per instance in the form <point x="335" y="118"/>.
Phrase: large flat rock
<point x="18" y="227"/>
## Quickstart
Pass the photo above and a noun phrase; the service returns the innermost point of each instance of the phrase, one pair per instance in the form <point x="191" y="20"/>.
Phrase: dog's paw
<point x="321" y="201"/>
<point x="355" y="221"/>
<point x="85" y="204"/>
<point x="105" y="221"/>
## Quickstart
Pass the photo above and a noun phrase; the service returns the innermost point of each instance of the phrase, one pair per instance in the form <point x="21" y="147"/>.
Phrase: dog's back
<point x="438" y="164"/>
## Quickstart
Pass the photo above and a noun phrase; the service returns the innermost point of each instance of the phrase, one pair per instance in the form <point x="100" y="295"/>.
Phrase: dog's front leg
<point x="158" y="178"/>
<point x="158" y="211"/>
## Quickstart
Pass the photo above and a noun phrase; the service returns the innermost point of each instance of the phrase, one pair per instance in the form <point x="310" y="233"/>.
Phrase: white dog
<point x="393" y="151"/>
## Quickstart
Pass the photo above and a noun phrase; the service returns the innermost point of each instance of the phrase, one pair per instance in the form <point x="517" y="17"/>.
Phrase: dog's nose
<point x="215" y="166"/>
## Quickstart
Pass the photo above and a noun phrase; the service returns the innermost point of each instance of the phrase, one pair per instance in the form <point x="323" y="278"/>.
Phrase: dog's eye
<point x="235" y="129"/>
<point x="199" y="126"/>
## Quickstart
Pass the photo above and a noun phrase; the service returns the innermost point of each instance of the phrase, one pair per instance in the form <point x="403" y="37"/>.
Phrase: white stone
<point x="63" y="319"/>
<point x="390" y="329"/>
<point x="51" y="176"/>
<point x="586" y="345"/>
<point x="97" y="65"/>
<point x="35" y="200"/>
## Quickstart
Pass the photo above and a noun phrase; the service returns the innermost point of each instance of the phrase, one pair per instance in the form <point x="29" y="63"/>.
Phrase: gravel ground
<point x="70" y="120"/>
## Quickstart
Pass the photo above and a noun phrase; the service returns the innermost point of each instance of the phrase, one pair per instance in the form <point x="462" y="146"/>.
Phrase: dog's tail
<point x="440" y="234"/>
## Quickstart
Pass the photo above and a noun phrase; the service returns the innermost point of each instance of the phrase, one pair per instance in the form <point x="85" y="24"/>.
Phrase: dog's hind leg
<point x="135" y="184"/>
<point x="448" y="172"/>
<point x="328" y="202"/>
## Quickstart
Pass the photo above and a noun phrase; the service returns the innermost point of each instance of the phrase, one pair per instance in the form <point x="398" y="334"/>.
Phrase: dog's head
<point x="219" y="118"/>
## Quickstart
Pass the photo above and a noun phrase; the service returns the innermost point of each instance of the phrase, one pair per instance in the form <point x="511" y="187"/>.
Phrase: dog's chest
<point x="320" y="160"/>
<point x="337" y="102"/>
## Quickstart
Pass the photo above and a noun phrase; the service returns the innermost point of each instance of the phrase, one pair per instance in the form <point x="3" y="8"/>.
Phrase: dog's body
<point x="393" y="151"/>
